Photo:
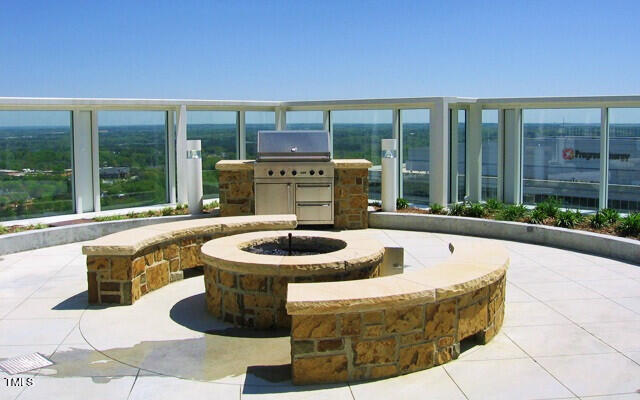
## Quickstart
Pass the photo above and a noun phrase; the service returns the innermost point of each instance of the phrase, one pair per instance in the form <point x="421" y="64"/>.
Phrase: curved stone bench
<point x="383" y="327"/>
<point x="124" y="266"/>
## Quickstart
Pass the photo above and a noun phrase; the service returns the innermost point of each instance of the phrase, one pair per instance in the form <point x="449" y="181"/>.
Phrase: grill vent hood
<point x="293" y="146"/>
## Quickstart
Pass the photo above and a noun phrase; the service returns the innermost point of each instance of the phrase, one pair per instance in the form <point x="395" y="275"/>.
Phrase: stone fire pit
<point x="246" y="275"/>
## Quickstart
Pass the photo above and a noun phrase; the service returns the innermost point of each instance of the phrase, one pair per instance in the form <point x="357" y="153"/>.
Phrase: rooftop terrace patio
<point x="572" y="329"/>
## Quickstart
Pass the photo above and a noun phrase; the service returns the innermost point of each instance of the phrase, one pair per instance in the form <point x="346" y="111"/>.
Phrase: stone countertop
<point x="471" y="267"/>
<point x="243" y="165"/>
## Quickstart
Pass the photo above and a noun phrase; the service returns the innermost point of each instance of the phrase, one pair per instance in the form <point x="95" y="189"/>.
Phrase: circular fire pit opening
<point x="246" y="275"/>
<point x="291" y="245"/>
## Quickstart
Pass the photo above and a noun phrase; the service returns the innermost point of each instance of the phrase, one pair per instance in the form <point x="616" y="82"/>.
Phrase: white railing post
<point x="604" y="159"/>
<point x="242" y="136"/>
<point x="439" y="152"/>
<point x="500" y="169"/>
<point x="171" y="156"/>
<point x="397" y="135"/>
<point x="82" y="161"/>
<point x="474" y="152"/>
<point x="327" y="125"/>
<point x="281" y="119"/>
<point x="453" y="155"/>
<point x="181" y="153"/>
<point x="513" y="156"/>
<point x="95" y="160"/>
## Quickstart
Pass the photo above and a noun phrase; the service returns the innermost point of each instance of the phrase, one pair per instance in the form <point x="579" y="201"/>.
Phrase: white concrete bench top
<point x="130" y="241"/>
<point x="472" y="266"/>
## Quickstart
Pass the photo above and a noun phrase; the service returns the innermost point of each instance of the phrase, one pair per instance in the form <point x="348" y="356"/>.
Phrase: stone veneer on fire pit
<point x="351" y="191"/>
<point x="250" y="289"/>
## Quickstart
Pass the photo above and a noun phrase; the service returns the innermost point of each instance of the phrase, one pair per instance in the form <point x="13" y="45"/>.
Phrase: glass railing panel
<point x="305" y="120"/>
<point x="561" y="156"/>
<point x="358" y="134"/>
<point x="218" y="133"/>
<point x="415" y="155"/>
<point x="624" y="159"/>
<point x="35" y="164"/>
<point x="257" y="121"/>
<point x="489" y="154"/>
<point x="132" y="158"/>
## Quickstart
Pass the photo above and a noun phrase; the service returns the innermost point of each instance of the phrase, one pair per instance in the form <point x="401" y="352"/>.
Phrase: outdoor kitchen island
<point x="350" y="190"/>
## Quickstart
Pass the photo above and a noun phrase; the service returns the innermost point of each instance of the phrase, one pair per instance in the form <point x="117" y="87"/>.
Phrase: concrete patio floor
<point x="571" y="330"/>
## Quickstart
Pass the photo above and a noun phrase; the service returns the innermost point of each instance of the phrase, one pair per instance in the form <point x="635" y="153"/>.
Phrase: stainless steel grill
<point x="294" y="175"/>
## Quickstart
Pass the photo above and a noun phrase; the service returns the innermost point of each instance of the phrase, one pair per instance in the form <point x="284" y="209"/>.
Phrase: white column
<point x="242" y="136"/>
<point x="281" y="119"/>
<point x="474" y="152"/>
<point x="439" y="153"/>
<point x="171" y="156"/>
<point x="513" y="156"/>
<point x="82" y="161"/>
<point x="181" y="153"/>
<point x="453" y="154"/>
<point x="95" y="155"/>
<point x="604" y="158"/>
<point x="500" y="169"/>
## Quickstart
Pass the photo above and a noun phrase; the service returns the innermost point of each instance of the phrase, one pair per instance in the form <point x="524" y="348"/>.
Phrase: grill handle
<point x="314" y="205"/>
<point x="313" y="185"/>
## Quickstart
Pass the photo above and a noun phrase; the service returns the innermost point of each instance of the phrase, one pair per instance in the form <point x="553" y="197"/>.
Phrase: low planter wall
<point x="36" y="239"/>
<point x="588" y="242"/>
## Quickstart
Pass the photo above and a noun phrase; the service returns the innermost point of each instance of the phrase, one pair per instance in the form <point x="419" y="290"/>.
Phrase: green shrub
<point x="475" y="210"/>
<point x="598" y="220"/>
<point x="166" y="211"/>
<point x="513" y="212"/>
<point x="401" y="203"/>
<point x="210" y="206"/>
<point x="180" y="206"/>
<point x="437" y="208"/>
<point x="550" y="207"/>
<point x="630" y="225"/>
<point x="457" y="209"/>
<point x="611" y="215"/>
<point x="493" y="205"/>
<point x="3" y="229"/>
<point x="568" y="219"/>
<point x="537" y="217"/>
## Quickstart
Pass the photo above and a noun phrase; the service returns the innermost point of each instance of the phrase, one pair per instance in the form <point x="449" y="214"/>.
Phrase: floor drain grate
<point x="17" y="365"/>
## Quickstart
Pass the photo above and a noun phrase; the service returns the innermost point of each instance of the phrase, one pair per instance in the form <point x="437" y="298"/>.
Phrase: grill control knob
<point x="294" y="172"/>
<point x="270" y="172"/>
<point x="321" y="172"/>
<point x="282" y="172"/>
<point x="312" y="172"/>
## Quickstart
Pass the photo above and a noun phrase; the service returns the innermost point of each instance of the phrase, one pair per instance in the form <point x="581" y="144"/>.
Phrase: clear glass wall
<point x="415" y="153"/>
<point x="218" y="133"/>
<point x="35" y="164"/>
<point x="132" y="158"/>
<point x="561" y="156"/>
<point x="624" y="159"/>
<point x="257" y="121"/>
<point x="357" y="134"/>
<point x="489" y="154"/>
<point x="304" y="120"/>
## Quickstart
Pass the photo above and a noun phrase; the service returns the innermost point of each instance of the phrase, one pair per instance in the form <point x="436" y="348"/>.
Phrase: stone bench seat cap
<point x="472" y="266"/>
<point x="130" y="241"/>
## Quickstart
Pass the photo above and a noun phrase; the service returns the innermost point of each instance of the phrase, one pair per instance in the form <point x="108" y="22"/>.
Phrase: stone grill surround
<point x="351" y="191"/>
<point x="249" y="289"/>
<point x="124" y="266"/>
<point x="396" y="325"/>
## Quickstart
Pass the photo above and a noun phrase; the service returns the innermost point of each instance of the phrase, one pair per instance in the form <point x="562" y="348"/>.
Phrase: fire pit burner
<point x="295" y="246"/>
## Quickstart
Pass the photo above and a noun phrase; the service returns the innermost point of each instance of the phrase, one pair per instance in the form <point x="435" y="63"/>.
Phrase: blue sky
<point x="277" y="50"/>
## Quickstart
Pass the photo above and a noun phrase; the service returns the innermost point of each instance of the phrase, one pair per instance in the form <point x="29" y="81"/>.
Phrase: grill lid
<point x="293" y="146"/>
